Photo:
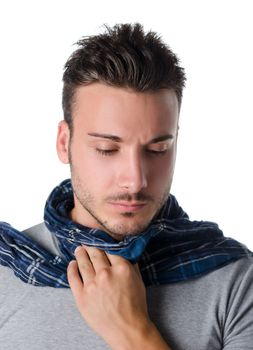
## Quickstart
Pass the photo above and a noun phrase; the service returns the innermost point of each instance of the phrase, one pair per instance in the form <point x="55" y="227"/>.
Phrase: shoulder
<point x="8" y="280"/>
<point x="43" y="237"/>
<point x="223" y="290"/>
<point x="229" y="282"/>
<point x="235" y="270"/>
<point x="238" y="294"/>
<point x="219" y="305"/>
<point x="36" y="232"/>
<point x="236" y="273"/>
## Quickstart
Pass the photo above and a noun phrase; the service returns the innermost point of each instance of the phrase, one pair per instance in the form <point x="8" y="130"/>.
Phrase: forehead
<point x="121" y="109"/>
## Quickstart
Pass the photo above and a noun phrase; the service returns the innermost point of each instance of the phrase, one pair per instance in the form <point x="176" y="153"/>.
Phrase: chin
<point x="121" y="229"/>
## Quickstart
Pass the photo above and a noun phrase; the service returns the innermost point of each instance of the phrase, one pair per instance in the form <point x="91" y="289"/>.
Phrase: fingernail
<point x="77" y="249"/>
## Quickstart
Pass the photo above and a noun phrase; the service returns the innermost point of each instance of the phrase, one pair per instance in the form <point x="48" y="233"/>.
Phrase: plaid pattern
<point x="172" y="248"/>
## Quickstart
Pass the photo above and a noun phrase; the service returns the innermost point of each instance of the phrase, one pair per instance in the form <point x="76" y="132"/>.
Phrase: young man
<point x="141" y="274"/>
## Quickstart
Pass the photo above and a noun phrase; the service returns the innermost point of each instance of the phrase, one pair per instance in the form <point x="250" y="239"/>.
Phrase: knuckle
<point x="124" y="269"/>
<point x="103" y="274"/>
<point x="85" y="265"/>
<point x="94" y="255"/>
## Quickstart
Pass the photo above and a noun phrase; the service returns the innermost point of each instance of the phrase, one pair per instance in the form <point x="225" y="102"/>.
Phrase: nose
<point x="133" y="174"/>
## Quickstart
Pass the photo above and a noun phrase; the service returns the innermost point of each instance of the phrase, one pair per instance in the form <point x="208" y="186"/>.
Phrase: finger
<point x="74" y="278"/>
<point x="85" y="266"/>
<point x="98" y="258"/>
<point x="116" y="259"/>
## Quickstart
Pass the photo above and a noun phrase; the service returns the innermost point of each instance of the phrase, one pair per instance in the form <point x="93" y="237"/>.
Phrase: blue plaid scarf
<point x="171" y="249"/>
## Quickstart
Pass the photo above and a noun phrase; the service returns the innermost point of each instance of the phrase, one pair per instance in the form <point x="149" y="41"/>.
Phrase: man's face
<point x="122" y="156"/>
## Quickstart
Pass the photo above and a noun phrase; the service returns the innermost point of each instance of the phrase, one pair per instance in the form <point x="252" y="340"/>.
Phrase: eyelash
<point x="103" y="152"/>
<point x="111" y="152"/>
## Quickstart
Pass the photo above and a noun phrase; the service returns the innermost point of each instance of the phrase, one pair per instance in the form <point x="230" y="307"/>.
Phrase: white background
<point x="213" y="178"/>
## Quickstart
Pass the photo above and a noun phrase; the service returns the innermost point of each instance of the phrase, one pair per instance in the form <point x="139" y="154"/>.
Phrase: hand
<point x="109" y="294"/>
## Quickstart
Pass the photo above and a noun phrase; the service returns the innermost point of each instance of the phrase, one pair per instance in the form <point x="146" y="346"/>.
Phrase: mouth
<point x="128" y="206"/>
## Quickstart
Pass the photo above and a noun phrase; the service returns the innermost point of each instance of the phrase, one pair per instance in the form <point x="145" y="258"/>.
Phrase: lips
<point x="128" y="206"/>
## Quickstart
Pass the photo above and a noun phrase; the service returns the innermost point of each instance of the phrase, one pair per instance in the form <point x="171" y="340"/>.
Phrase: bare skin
<point x="122" y="155"/>
<point x="111" y="297"/>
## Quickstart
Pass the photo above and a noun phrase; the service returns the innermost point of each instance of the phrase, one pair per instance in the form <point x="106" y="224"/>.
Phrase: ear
<point x="62" y="142"/>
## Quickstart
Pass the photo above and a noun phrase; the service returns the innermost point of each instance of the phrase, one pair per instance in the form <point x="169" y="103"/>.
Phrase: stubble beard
<point x="117" y="230"/>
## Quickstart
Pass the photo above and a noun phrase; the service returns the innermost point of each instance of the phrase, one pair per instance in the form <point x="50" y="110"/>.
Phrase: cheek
<point x="161" y="171"/>
<point x="165" y="164"/>
<point x="92" y="170"/>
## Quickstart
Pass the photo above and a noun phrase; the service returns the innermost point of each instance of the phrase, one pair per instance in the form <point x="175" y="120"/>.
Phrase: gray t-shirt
<point x="212" y="312"/>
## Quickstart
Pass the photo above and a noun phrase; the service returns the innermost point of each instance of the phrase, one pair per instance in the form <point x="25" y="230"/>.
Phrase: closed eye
<point x="157" y="152"/>
<point x="109" y="152"/>
<point x="106" y="152"/>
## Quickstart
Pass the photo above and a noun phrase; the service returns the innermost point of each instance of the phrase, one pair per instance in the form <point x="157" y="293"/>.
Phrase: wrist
<point x="145" y="337"/>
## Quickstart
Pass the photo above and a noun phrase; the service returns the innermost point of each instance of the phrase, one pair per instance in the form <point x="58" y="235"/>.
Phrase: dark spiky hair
<point x="122" y="56"/>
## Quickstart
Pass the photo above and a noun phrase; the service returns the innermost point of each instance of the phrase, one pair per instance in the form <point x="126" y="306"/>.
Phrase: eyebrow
<point x="119" y="139"/>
